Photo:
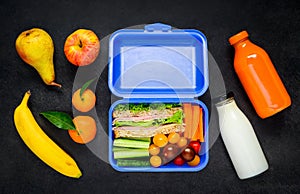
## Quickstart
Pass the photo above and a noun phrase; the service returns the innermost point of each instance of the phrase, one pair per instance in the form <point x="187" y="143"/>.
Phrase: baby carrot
<point x="200" y="126"/>
<point x="196" y="112"/>
<point x="187" y="110"/>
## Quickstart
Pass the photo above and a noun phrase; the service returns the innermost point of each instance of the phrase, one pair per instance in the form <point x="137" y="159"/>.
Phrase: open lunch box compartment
<point x="158" y="64"/>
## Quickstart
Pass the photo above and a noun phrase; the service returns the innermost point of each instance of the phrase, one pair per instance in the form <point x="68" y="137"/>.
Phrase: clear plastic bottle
<point x="240" y="140"/>
<point x="258" y="77"/>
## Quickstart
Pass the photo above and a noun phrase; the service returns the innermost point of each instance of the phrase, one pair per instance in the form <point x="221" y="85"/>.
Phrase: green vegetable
<point x="148" y="139"/>
<point x="85" y="86"/>
<point x="153" y="122"/>
<point x="138" y="107"/>
<point x="129" y="143"/>
<point x="122" y="107"/>
<point x="115" y="149"/>
<point x="131" y="153"/>
<point x="175" y="118"/>
<point x="133" y="163"/>
<point x="59" y="119"/>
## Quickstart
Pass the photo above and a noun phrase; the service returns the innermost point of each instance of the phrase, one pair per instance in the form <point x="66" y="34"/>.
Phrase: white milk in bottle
<point x="240" y="140"/>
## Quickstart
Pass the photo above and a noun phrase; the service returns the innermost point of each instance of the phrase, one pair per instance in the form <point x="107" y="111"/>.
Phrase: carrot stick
<point x="187" y="110"/>
<point x="196" y="112"/>
<point x="200" y="126"/>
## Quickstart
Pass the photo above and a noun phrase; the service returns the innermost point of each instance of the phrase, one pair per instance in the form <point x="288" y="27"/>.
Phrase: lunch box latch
<point x="157" y="27"/>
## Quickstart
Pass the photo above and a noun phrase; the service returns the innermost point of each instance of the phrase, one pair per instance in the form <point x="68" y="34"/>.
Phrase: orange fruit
<point x="85" y="102"/>
<point x="85" y="129"/>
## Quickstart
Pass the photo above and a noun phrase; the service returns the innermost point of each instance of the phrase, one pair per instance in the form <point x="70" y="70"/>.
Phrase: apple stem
<point x="55" y="84"/>
<point x="80" y="44"/>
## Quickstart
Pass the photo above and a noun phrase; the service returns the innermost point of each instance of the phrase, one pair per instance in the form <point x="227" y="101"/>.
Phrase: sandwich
<point x="147" y="120"/>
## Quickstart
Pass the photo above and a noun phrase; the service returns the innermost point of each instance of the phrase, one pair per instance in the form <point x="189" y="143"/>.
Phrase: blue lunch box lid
<point x="158" y="62"/>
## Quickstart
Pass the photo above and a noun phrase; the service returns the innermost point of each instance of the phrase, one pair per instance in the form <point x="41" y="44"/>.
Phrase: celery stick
<point x="115" y="149"/>
<point x="131" y="143"/>
<point x="134" y="153"/>
<point x="148" y="139"/>
<point x="134" y="163"/>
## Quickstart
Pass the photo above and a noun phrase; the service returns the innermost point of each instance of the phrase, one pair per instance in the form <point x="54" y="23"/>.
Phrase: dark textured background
<point x="274" y="25"/>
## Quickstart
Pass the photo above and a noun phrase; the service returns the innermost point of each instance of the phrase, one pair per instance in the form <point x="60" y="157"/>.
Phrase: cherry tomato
<point x="170" y="151"/>
<point x="195" y="161"/>
<point x="155" y="161"/>
<point x="154" y="150"/>
<point x="182" y="142"/>
<point x="173" y="137"/>
<point x="188" y="154"/>
<point x="178" y="161"/>
<point x="160" y="140"/>
<point x="196" y="146"/>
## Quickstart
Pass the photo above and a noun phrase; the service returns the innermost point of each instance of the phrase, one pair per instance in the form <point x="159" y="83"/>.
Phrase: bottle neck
<point x="242" y="43"/>
<point x="225" y="102"/>
<point x="225" y="106"/>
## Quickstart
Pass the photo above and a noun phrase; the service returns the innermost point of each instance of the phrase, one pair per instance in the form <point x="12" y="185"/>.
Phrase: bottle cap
<point x="223" y="97"/>
<point x="239" y="36"/>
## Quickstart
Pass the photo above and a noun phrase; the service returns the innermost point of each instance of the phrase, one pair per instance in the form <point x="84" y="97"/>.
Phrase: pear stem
<point x="55" y="84"/>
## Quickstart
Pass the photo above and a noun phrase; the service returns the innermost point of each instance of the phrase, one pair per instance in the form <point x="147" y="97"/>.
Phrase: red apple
<point x="82" y="47"/>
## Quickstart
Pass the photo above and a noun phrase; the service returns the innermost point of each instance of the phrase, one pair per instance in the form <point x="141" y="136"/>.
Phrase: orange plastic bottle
<point x="258" y="77"/>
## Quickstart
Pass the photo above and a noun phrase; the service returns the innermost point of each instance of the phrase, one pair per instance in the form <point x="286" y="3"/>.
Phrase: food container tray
<point x="158" y="64"/>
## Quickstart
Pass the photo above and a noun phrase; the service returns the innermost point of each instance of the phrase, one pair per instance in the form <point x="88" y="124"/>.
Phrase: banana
<point x="40" y="144"/>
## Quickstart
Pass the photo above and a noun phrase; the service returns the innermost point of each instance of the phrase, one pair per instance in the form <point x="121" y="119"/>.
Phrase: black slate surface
<point x="274" y="25"/>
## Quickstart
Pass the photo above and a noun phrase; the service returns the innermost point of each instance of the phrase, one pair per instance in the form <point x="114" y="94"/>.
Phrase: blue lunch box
<point x="158" y="64"/>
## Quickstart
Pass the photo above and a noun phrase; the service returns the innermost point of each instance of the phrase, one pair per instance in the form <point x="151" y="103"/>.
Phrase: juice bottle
<point x="258" y="77"/>
<point x="240" y="140"/>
